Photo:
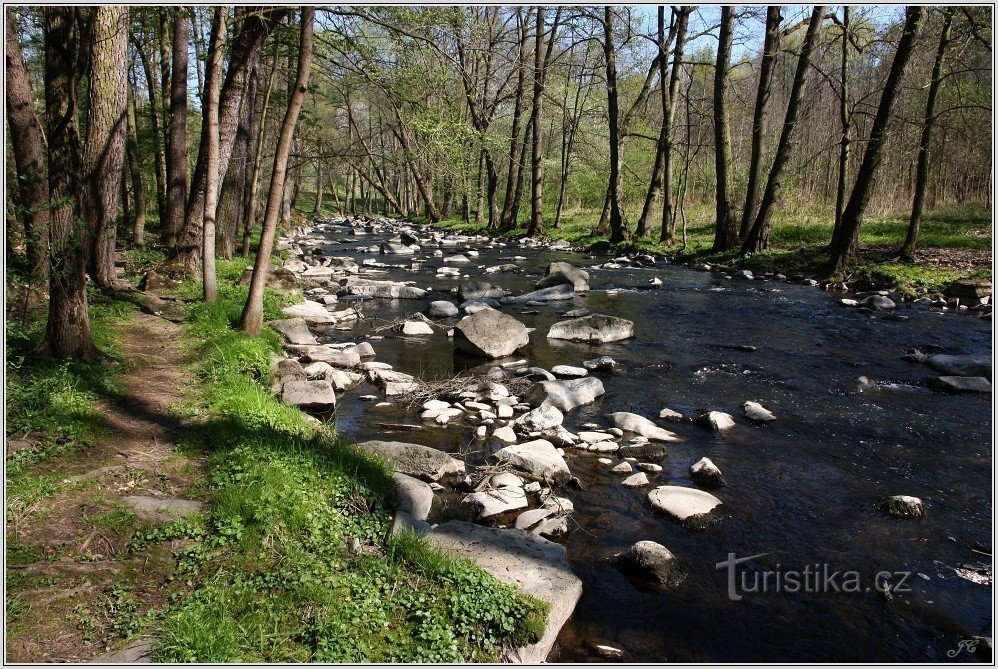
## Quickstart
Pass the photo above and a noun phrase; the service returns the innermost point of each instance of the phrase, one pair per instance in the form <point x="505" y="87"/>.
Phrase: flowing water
<point x="801" y="490"/>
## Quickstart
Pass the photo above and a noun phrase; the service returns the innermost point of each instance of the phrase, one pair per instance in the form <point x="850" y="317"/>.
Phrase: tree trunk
<point x="507" y="220"/>
<point x="667" y="235"/>
<point x="213" y="76"/>
<point x="317" y="207"/>
<point x="154" y="123"/>
<point x="617" y="232"/>
<point x="176" y="140"/>
<point x="758" y="236"/>
<point x="67" y="334"/>
<point x="725" y="227"/>
<point x="252" y="317"/>
<point x="767" y="66"/>
<point x="104" y="155"/>
<point x="844" y="244"/>
<point x="31" y="196"/>
<point x="259" y="129"/>
<point x="845" y="121"/>
<point x="233" y="193"/>
<point x="922" y="171"/>
<point x="135" y="172"/>
<point x="536" y="226"/>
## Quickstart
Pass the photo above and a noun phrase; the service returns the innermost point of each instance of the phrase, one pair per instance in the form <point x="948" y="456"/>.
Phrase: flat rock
<point x="594" y="329"/>
<point x="635" y="480"/>
<point x="314" y="313"/>
<point x="161" y="509"/>
<point x="532" y="564"/>
<point x="682" y="504"/>
<point x="384" y="289"/>
<point x="552" y="294"/>
<point x="138" y="651"/>
<point x="565" y="395"/>
<point x="569" y="372"/>
<point x="494" y="502"/>
<point x="308" y="394"/>
<point x="962" y="365"/>
<point x="528" y="519"/>
<point x="538" y="458"/>
<point x="632" y="422"/>
<point x="964" y="384"/>
<point x="294" y="330"/>
<point x="415" y="460"/>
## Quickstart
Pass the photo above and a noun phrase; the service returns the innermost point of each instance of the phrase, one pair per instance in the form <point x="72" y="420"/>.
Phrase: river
<point x="801" y="490"/>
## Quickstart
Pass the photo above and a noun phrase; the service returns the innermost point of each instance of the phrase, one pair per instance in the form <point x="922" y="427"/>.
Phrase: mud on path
<point x="74" y="588"/>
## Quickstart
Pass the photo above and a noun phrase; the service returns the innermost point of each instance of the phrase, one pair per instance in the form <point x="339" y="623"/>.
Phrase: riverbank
<point x="954" y="245"/>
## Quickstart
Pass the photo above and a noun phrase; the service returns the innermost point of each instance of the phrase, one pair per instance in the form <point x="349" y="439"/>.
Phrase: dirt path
<point x="77" y="590"/>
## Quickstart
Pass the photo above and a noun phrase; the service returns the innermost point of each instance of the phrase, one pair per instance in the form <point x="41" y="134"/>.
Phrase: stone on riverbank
<point x="490" y="334"/>
<point x="594" y="329"/>
<point x="295" y="331"/>
<point x="415" y="460"/>
<point x="308" y="394"/>
<point x="415" y="496"/>
<point x="632" y="422"/>
<point x="686" y="505"/>
<point x="539" y="459"/>
<point x="650" y="561"/>
<point x="314" y="313"/>
<point x="565" y="395"/>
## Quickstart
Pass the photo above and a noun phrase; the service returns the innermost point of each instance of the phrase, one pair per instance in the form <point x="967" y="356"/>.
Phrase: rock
<point x="560" y="505"/>
<point x="847" y="302"/>
<point x="505" y="434"/>
<point x="333" y="356"/>
<point x="878" y="302"/>
<point x="686" y="505"/>
<point x="650" y="561"/>
<point x="288" y="368"/>
<point x="161" y="509"/>
<point x="295" y="331"/>
<point x="755" y="411"/>
<point x="962" y="365"/>
<point x="568" y="372"/>
<point x="308" y="394"/>
<point x="535" y="566"/>
<point x="415" y="496"/>
<point x="541" y="418"/>
<point x="363" y="349"/>
<point x="552" y="294"/>
<point x="314" y="313"/>
<point x="539" y="458"/>
<point x="565" y="395"/>
<point x="278" y="278"/>
<point x="607" y="651"/>
<point x="669" y="414"/>
<point x="594" y="437"/>
<point x="603" y="364"/>
<point x="139" y="651"/>
<point x="435" y="405"/>
<point x="622" y="468"/>
<point x="964" y="384"/>
<point x="717" y="421"/>
<point x="406" y="522"/>
<point x="504" y="411"/>
<point x="552" y="527"/>
<point x="902" y="506"/>
<point x="649" y="467"/>
<point x="416" y="328"/>
<point x="477" y="290"/>
<point x="594" y="329"/>
<point x="603" y="447"/>
<point x="705" y="473"/>
<point x="564" y="273"/>
<point x="490" y="503"/>
<point x="528" y="519"/>
<point x="384" y="289"/>
<point x="442" y="309"/>
<point x="415" y="460"/>
<point x="744" y="274"/>
<point x="635" y="480"/>
<point x="340" y="379"/>
<point x="576" y="313"/>
<point x="505" y="480"/>
<point x="631" y="422"/>
<point x="490" y="333"/>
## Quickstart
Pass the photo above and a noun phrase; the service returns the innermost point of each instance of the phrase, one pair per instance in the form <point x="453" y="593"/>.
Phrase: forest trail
<point x="85" y="590"/>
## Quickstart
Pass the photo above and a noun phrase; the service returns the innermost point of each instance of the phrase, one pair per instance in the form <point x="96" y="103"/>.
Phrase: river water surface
<point x="801" y="490"/>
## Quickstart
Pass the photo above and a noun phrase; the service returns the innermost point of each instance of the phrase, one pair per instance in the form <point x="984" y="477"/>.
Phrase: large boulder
<point x="488" y="503"/>
<point x="385" y="289"/>
<point x="442" y="309"/>
<point x="477" y="290"/>
<point x="308" y="394"/>
<point x="962" y="365"/>
<point x="314" y="313"/>
<point x="632" y="422"/>
<point x="552" y="294"/>
<point x="538" y="458"/>
<point x="594" y="329"/>
<point x="415" y="496"/>
<point x="532" y="564"/>
<point x="295" y="331"/>
<point x="336" y="357"/>
<point x="650" y="561"/>
<point x="565" y="395"/>
<point x="564" y="273"/>
<point x="541" y="418"/>
<point x="490" y="334"/>
<point x="415" y="460"/>
<point x="963" y="384"/>
<point x="686" y="505"/>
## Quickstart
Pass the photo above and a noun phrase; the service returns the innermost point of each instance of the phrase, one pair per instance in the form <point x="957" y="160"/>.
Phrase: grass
<point x="276" y="580"/>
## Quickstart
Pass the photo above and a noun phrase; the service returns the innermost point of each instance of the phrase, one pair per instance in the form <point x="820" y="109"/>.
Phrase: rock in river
<point x="717" y="421"/>
<point x="493" y="502"/>
<point x="964" y="384"/>
<point x="308" y="394"/>
<point x="705" y="473"/>
<point x="413" y="459"/>
<point x="416" y="328"/>
<point x="442" y="309"/>
<point x="541" y="418"/>
<point x="552" y="294"/>
<point x="962" y="365"/>
<point x="878" y="302"/>
<point x="477" y="290"/>
<point x="490" y="333"/>
<point x="415" y="496"/>
<point x="686" y="505"/>
<point x="569" y="372"/>
<point x="594" y="329"/>
<point x="295" y="331"/>
<point x="565" y="395"/>
<point x="534" y="565"/>
<point x="539" y="458"/>
<point x="757" y="412"/>
<point x="902" y="506"/>
<point x="651" y="561"/>
<point x="564" y="273"/>
<point x="384" y="289"/>
<point x="631" y="422"/>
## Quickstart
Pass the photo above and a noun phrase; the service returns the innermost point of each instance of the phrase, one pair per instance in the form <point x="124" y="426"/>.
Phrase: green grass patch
<point x="276" y="578"/>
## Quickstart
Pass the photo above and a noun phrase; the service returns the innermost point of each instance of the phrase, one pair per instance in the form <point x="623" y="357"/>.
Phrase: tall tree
<point x="845" y="241"/>
<point x="767" y="66"/>
<point x="259" y="136"/>
<point x="617" y="231"/>
<point x="213" y="76"/>
<point x="536" y="168"/>
<point x="31" y="194"/>
<point x="135" y="173"/>
<point x="667" y="235"/>
<point x="758" y="236"/>
<point x="845" y="120"/>
<point x="176" y="138"/>
<point x="725" y="228"/>
<point x="922" y="170"/>
<point x="252" y="317"/>
<point x="104" y="153"/>
<point x="507" y="220"/>
<point x="67" y="333"/>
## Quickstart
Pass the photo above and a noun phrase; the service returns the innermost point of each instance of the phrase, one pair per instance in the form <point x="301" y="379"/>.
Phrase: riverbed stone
<point x="294" y="330"/>
<point x="308" y="394"/>
<point x="686" y="505"/>
<point x="539" y="459"/>
<point x="314" y="313"/>
<point x="622" y="468"/>
<point x="551" y="294"/>
<point x="757" y="412"/>
<point x="416" y="460"/>
<point x="505" y="434"/>
<point x="478" y="290"/>
<point x="415" y="496"/>
<point x="962" y="365"/>
<point x="718" y="421"/>
<point x="964" y="384"/>
<point x="442" y="309"/>
<point x="394" y="290"/>
<point x="636" y="480"/>
<point x="651" y="561"/>
<point x="534" y="565"/>
<point x="496" y="501"/>
<point x="565" y="395"/>
<point x="565" y="273"/>
<point x="528" y="519"/>
<point x="705" y="473"/>
<point x="878" y="303"/>
<point x="594" y="329"/>
<point x="902" y="506"/>
<point x="416" y="328"/>
<point x="569" y="372"/>
<point x="335" y="357"/>
<point x="490" y="333"/>
<point x="632" y="422"/>
<point x="541" y="418"/>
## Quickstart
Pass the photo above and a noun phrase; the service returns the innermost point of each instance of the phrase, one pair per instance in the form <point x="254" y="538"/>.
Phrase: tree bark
<point x="507" y="220"/>
<point x="135" y="172"/>
<point x="845" y="243"/>
<point x="767" y="66"/>
<point x="104" y="153"/>
<point x="31" y="196"/>
<point x="617" y="231"/>
<point x="845" y="122"/>
<point x="67" y="333"/>
<point x="758" y="236"/>
<point x="536" y="226"/>
<point x="725" y="227"/>
<point x="252" y="317"/>
<point x="213" y="76"/>
<point x="176" y="139"/>
<point x="667" y="234"/>
<point x="154" y="123"/>
<point x="259" y="128"/>
<point x="922" y="171"/>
